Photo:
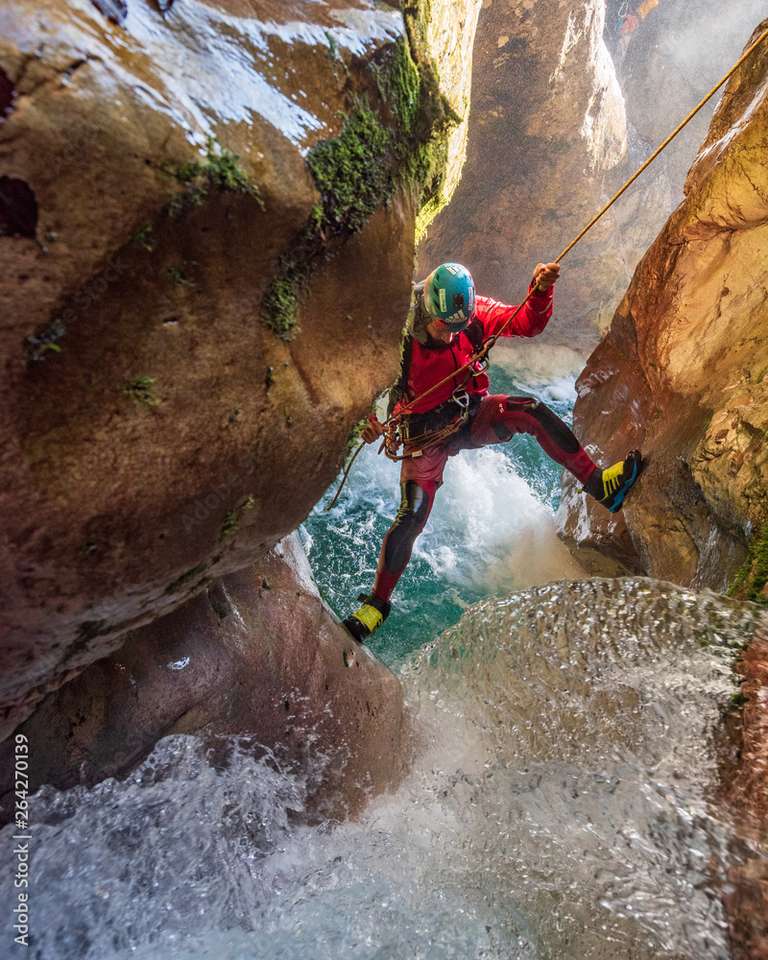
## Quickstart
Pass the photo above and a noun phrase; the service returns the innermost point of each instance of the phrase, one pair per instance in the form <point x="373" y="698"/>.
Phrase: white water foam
<point x="561" y="806"/>
<point x="489" y="530"/>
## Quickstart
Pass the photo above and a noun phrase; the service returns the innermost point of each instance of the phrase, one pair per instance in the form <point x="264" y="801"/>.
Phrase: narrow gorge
<point x="212" y="214"/>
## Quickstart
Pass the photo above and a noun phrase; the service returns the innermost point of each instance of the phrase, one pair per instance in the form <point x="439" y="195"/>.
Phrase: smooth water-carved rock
<point x="744" y="788"/>
<point x="257" y="655"/>
<point x="206" y="261"/>
<point x="682" y="371"/>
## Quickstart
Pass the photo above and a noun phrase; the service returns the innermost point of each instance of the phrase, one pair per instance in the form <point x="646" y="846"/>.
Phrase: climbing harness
<point x="393" y="435"/>
<point x="403" y="430"/>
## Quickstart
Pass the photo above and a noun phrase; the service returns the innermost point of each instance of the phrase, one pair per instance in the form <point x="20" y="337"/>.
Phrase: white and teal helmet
<point x="449" y="295"/>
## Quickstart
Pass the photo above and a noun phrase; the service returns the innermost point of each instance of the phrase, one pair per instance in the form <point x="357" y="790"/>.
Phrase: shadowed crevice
<point x="18" y="208"/>
<point x="115" y="10"/>
<point x="7" y="94"/>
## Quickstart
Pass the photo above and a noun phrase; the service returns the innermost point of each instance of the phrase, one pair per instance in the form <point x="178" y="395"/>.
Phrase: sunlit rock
<point x="568" y="100"/>
<point x="682" y="371"/>
<point x="448" y="33"/>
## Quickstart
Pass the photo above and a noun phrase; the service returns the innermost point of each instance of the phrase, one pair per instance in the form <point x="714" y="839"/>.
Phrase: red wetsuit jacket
<point x="429" y="364"/>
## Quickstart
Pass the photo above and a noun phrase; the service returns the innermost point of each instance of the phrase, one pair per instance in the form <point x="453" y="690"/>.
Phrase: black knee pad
<point x="414" y="504"/>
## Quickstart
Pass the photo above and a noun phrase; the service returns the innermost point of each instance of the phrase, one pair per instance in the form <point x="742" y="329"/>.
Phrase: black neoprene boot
<point x="610" y="486"/>
<point x="367" y="618"/>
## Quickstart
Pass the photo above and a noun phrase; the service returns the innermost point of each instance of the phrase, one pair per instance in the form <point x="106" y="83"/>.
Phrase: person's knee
<point x="415" y="505"/>
<point x="547" y="421"/>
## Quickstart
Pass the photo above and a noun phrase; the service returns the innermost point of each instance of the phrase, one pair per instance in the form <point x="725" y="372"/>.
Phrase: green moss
<point x="429" y="165"/>
<point x="46" y="341"/>
<point x="436" y="121"/>
<point x="178" y="277"/>
<point x="145" y="238"/>
<point x="403" y="141"/>
<point x="220" y="169"/>
<point x="399" y="82"/>
<point x="233" y="517"/>
<point x="355" y="438"/>
<point x="353" y="171"/>
<point x="281" y="301"/>
<point x="738" y="699"/>
<point x="752" y="576"/>
<point x="186" y="577"/>
<point x="142" y="390"/>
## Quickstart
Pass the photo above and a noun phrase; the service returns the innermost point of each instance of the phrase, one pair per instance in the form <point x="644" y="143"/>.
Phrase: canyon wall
<point x="567" y="101"/>
<point x="683" y="371"/>
<point x="196" y="200"/>
<point x="256" y="656"/>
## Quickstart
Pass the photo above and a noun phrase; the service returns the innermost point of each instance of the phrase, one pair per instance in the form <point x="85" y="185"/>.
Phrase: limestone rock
<point x="256" y="655"/>
<point x="206" y="234"/>
<point x="682" y="372"/>
<point x="545" y="90"/>
<point x="448" y="33"/>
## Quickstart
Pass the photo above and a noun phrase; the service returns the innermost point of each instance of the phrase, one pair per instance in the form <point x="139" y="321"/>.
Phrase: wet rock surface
<point x="191" y="327"/>
<point x="256" y="655"/>
<point x="744" y="787"/>
<point x="682" y="372"/>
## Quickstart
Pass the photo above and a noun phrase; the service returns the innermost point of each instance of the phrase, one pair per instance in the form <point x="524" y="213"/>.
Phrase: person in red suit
<point x="446" y="326"/>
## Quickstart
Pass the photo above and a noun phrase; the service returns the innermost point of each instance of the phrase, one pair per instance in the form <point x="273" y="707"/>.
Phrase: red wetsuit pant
<point x="496" y="419"/>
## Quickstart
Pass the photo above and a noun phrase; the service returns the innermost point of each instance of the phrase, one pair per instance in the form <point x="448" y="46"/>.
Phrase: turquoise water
<point x="491" y="525"/>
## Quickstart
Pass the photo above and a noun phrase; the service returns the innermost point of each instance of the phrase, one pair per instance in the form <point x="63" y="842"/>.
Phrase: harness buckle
<point x="461" y="398"/>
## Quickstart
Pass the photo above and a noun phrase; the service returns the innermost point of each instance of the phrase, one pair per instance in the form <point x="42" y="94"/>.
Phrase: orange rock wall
<point x="683" y="371"/>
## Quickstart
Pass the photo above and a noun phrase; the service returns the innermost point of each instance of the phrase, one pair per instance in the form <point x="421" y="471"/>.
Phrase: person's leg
<point x="501" y="417"/>
<point x="420" y="478"/>
<point x="417" y="497"/>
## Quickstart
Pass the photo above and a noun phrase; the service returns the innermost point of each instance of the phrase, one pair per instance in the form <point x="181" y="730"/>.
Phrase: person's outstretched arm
<point x="535" y="314"/>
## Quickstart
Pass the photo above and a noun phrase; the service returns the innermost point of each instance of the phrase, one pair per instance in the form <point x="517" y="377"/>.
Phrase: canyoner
<point x="442" y="404"/>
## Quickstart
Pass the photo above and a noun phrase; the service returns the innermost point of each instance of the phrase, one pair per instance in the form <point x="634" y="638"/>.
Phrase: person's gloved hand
<point x="374" y="429"/>
<point x="545" y="275"/>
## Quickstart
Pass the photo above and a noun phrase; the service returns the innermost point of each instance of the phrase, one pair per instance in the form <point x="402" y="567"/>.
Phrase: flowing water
<point x="562" y="804"/>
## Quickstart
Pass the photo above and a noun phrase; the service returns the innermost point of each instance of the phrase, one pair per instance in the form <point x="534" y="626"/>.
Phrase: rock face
<point x="568" y="100"/>
<point x="447" y="31"/>
<point x="257" y="655"/>
<point x="542" y="73"/>
<point x="196" y="200"/>
<point x="744" y="789"/>
<point x="682" y="372"/>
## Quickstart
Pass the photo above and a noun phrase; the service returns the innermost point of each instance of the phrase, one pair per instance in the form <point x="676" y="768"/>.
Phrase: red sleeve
<point x="530" y="321"/>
